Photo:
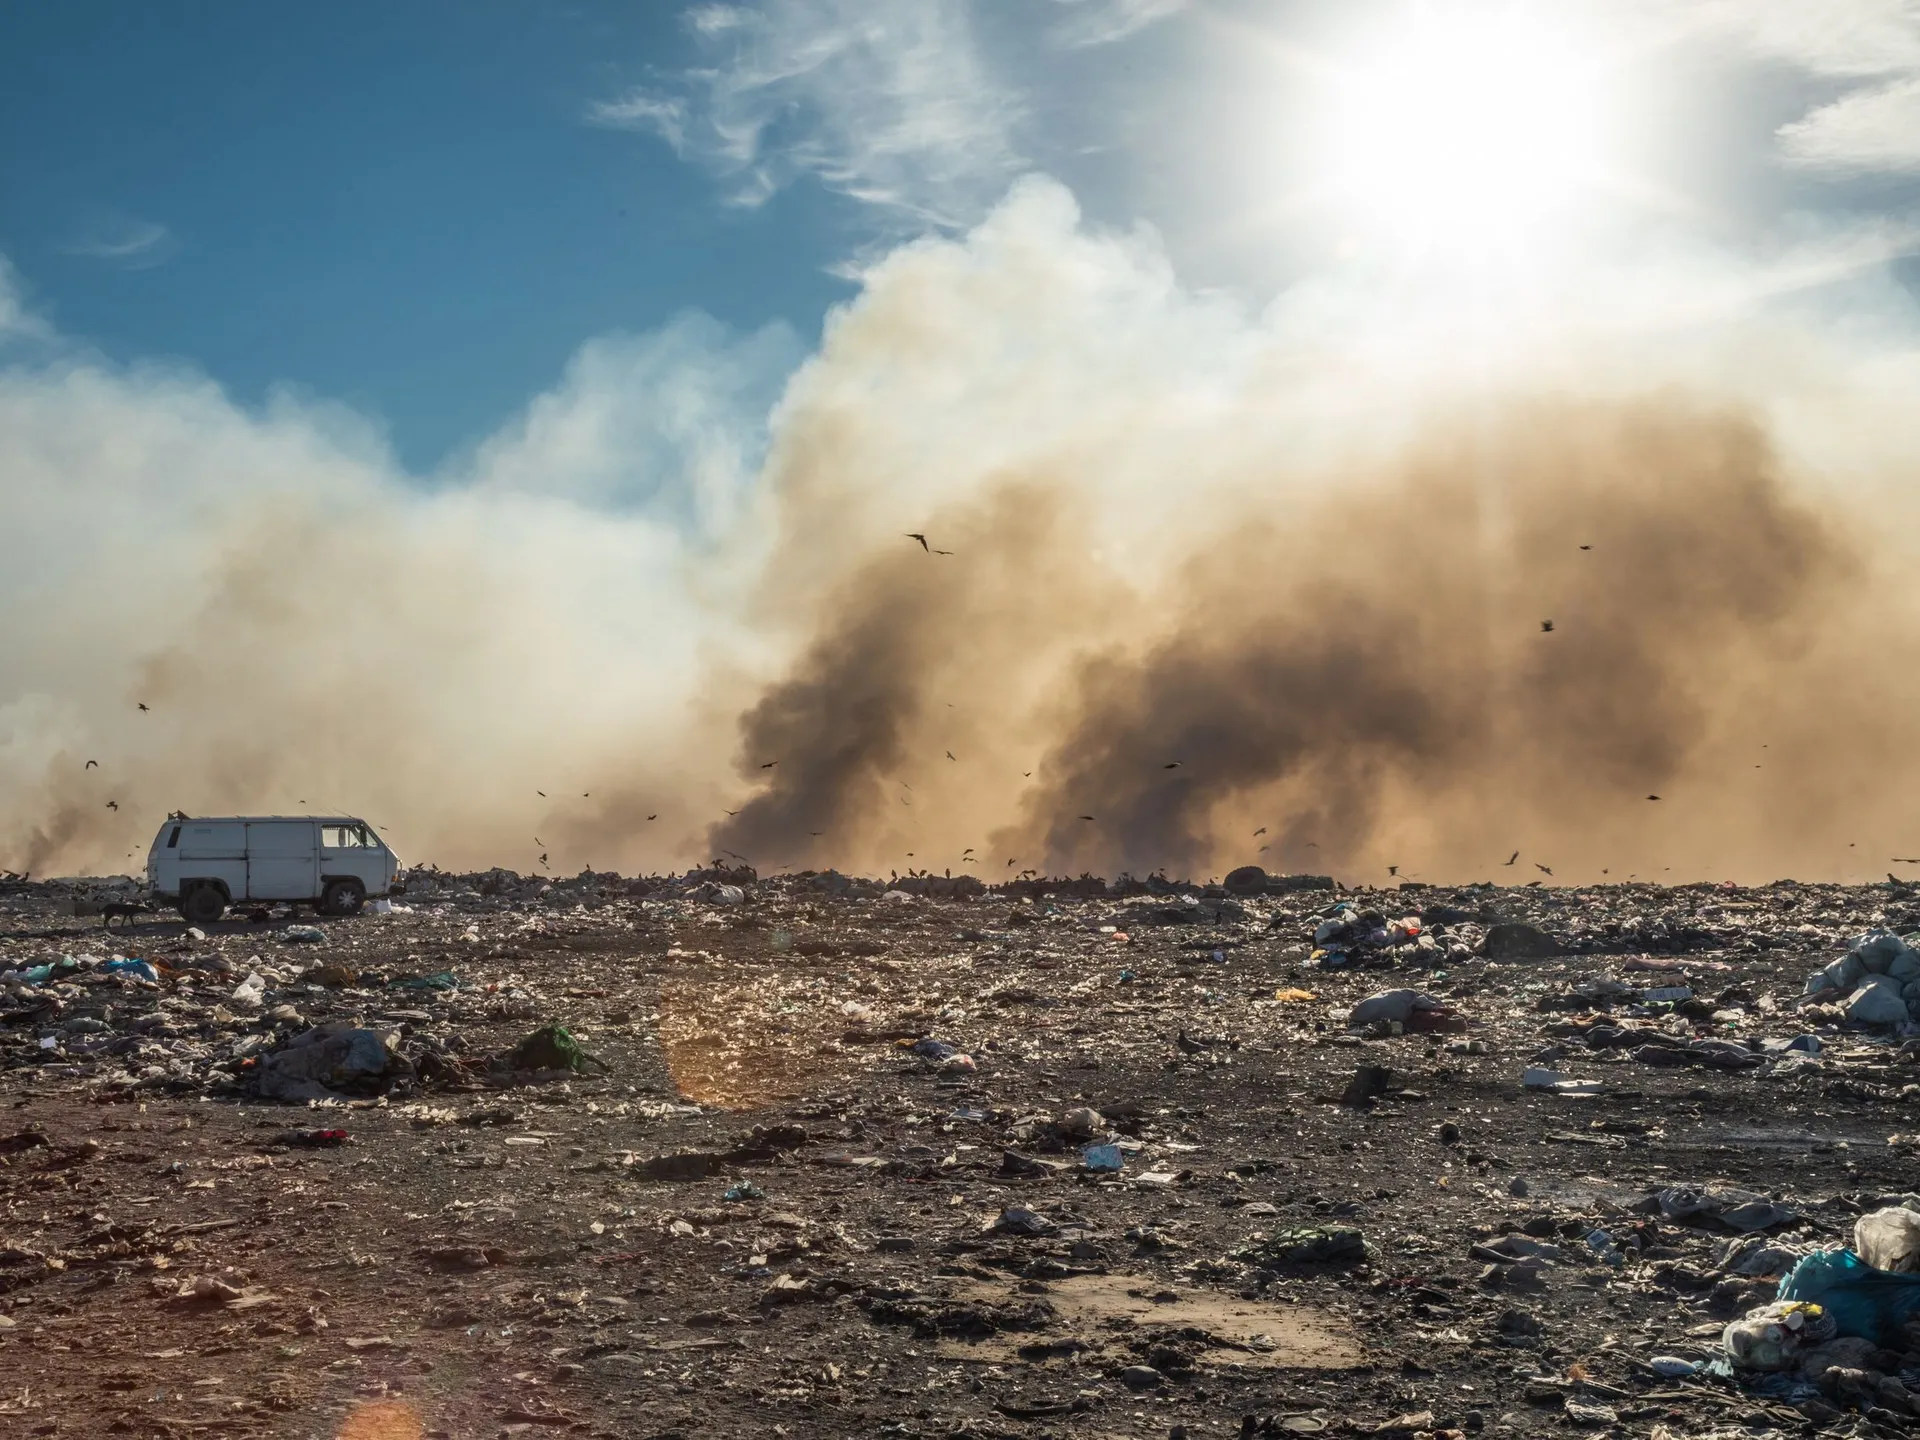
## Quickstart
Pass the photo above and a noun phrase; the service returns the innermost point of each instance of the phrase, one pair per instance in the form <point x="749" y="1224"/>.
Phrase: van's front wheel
<point x="204" y="905"/>
<point x="343" y="897"/>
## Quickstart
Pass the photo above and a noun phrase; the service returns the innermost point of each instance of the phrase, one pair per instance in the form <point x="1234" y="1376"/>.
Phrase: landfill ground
<point x="496" y="1251"/>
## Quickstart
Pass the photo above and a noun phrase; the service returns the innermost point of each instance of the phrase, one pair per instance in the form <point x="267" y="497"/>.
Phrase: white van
<point x="332" y="863"/>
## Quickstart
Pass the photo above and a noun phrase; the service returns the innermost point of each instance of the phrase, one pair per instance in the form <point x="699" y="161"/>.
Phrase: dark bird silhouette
<point x="1898" y="861"/>
<point x="1261" y="831"/>
<point x="653" y="817"/>
<point x="584" y="795"/>
<point x="538" y="841"/>
<point x="943" y="552"/>
<point x="1265" y="848"/>
<point x="915" y="535"/>
<point x="949" y="754"/>
<point x="1086" y="817"/>
<point x="1541" y="868"/>
<point x="1586" y="547"/>
<point x="113" y="804"/>
<point x="768" y="764"/>
<point x="1653" y="797"/>
<point x="1026" y="774"/>
<point x="543" y="859"/>
<point x="143" y="704"/>
<point x="1546" y="627"/>
<point x="91" y="764"/>
<point x="541" y="793"/>
<point x="1513" y="857"/>
<point x="816" y="833"/>
<point x="732" y="812"/>
<point x="1010" y="864"/>
<point x="1171" y="765"/>
<point x="1393" y="869"/>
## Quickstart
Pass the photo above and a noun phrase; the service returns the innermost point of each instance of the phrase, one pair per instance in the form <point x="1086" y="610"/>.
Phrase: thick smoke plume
<point x="1238" y="588"/>
<point x="1365" y="677"/>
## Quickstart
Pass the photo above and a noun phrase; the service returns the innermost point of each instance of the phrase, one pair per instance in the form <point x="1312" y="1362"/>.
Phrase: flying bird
<point x="1587" y="547"/>
<point x="1010" y="864"/>
<point x="584" y="795"/>
<point x="1086" y="817"/>
<point x="543" y="859"/>
<point x="143" y="704"/>
<point x="653" y="817"/>
<point x="541" y="793"/>
<point x="1541" y="868"/>
<point x="1393" y="869"/>
<point x="768" y="764"/>
<point x="1265" y="848"/>
<point x="1171" y="765"/>
<point x="538" y="841"/>
<point x="1513" y="857"/>
<point x="731" y="812"/>
<point x="943" y="552"/>
<point x="1653" y="797"/>
<point x="1546" y="627"/>
<point x="816" y="833"/>
<point x="90" y="765"/>
<point x="914" y="535"/>
<point x="949" y="754"/>
<point x="1261" y="831"/>
<point x="113" y="804"/>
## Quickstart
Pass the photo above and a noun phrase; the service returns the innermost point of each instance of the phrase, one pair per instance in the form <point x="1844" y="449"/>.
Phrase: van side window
<point x="174" y="838"/>
<point x="337" y="837"/>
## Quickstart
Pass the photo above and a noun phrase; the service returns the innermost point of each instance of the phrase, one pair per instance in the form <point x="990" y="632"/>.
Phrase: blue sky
<point x="396" y="205"/>
<point x="422" y="210"/>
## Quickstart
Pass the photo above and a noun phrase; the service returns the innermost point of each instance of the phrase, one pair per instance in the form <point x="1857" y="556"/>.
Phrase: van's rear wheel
<point x="204" y="905"/>
<point x="343" y="897"/>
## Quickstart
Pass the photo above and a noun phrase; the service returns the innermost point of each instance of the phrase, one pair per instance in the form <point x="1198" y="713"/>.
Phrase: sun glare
<point x="1475" y="133"/>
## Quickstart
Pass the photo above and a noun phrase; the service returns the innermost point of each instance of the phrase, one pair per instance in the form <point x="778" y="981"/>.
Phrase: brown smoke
<point x="1365" y="675"/>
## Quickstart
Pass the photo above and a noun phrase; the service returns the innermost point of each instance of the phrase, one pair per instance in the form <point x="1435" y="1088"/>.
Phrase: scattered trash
<point x="551" y="1047"/>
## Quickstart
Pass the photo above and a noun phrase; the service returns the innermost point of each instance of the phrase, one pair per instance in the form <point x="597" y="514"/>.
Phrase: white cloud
<point x="641" y="111"/>
<point x="671" y="424"/>
<point x="307" y="621"/>
<point x="1869" y="47"/>
<point x="134" y="245"/>
<point x="887" y="101"/>
<point x="17" y="322"/>
<point x="1102" y="22"/>
<point x="1866" y="130"/>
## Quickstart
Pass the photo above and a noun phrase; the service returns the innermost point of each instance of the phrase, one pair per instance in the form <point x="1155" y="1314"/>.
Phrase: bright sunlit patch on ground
<point x="1470" y="131"/>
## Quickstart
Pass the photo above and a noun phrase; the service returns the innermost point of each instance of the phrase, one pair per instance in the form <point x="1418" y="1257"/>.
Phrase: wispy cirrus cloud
<point x="1102" y="22"/>
<point x="887" y="101"/>
<point x="133" y="245"/>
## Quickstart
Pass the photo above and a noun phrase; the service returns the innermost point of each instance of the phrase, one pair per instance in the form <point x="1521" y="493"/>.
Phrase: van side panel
<point x="283" y="860"/>
<point x="215" y="850"/>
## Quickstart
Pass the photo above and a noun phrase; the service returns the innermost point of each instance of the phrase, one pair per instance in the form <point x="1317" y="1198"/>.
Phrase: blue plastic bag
<point x="139" y="968"/>
<point x="1873" y="1304"/>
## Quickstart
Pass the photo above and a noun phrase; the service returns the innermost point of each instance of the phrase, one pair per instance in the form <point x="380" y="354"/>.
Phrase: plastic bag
<point x="1872" y="1304"/>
